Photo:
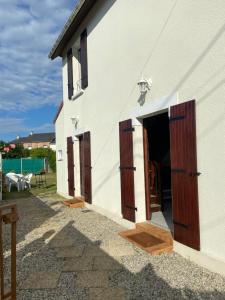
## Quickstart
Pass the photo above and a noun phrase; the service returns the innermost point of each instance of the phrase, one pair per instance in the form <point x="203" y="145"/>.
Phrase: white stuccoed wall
<point x="180" y="45"/>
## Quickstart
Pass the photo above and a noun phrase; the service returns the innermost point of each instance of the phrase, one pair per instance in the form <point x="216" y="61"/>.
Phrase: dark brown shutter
<point x="70" y="73"/>
<point x="70" y="160"/>
<point x="127" y="170"/>
<point x="184" y="174"/>
<point x="84" y="61"/>
<point x="87" y="167"/>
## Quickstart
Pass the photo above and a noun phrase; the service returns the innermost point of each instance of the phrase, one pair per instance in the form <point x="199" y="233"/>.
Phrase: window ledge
<point x="78" y="94"/>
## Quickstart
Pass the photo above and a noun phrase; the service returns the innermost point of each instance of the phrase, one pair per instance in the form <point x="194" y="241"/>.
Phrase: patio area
<point x="65" y="253"/>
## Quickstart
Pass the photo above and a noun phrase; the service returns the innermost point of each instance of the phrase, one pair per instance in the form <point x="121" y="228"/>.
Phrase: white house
<point x="140" y="133"/>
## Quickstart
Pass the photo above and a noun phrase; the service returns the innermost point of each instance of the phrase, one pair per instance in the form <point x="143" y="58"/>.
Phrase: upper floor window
<point x="70" y="72"/>
<point x="78" y="79"/>
<point x="83" y="59"/>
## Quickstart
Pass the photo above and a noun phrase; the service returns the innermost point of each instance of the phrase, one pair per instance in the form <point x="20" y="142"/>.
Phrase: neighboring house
<point x="150" y="154"/>
<point x="37" y="140"/>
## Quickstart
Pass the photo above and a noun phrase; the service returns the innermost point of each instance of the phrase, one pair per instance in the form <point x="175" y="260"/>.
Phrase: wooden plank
<point x="127" y="171"/>
<point x="8" y="215"/>
<point x="184" y="184"/>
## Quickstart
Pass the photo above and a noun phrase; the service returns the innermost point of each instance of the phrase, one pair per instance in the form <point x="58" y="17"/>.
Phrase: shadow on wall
<point x="86" y="268"/>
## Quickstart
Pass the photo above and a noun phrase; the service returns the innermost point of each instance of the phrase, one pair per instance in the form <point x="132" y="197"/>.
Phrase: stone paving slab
<point x="117" y="250"/>
<point x="106" y="293"/>
<point x="106" y="263"/>
<point x="41" y="280"/>
<point x="90" y="279"/>
<point x="61" y="242"/>
<point x="70" y="251"/>
<point x="78" y="264"/>
<point x="91" y="250"/>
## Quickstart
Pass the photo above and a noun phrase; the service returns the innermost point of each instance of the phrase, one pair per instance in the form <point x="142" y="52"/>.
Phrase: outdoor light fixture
<point x="144" y="85"/>
<point x="75" y="121"/>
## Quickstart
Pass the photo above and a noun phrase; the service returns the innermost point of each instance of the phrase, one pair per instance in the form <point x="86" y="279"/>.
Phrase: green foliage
<point x="45" y="153"/>
<point x="52" y="160"/>
<point x="39" y="152"/>
<point x="17" y="152"/>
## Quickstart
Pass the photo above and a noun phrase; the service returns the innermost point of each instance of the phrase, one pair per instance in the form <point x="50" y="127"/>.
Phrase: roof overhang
<point x="58" y="112"/>
<point x="77" y="16"/>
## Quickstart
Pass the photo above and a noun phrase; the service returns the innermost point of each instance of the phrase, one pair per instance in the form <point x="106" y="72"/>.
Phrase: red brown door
<point x="70" y="160"/>
<point x="81" y="149"/>
<point x="184" y="174"/>
<point x="87" y="167"/>
<point x="127" y="170"/>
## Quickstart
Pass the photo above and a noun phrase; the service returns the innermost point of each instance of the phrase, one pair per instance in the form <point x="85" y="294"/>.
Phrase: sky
<point x="30" y="83"/>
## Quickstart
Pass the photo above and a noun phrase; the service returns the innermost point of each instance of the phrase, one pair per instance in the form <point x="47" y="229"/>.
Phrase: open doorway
<point x="158" y="170"/>
<point x="85" y="166"/>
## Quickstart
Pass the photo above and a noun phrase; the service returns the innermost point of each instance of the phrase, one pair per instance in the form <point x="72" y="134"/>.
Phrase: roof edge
<point x="58" y="112"/>
<point x="79" y="13"/>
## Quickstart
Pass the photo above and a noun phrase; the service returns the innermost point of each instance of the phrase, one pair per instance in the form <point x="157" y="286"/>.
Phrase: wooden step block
<point x="158" y="232"/>
<point x="147" y="241"/>
<point x="77" y="202"/>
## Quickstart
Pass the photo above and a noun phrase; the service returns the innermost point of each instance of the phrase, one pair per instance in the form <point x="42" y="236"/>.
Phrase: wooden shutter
<point x="87" y="167"/>
<point x="70" y="73"/>
<point x="127" y="170"/>
<point x="83" y="57"/>
<point x="184" y="174"/>
<point x="70" y="160"/>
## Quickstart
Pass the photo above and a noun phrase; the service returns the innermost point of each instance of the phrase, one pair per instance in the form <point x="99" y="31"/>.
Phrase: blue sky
<point x="30" y="83"/>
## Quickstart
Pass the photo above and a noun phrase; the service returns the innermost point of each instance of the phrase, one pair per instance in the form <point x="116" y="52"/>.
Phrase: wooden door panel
<point x="81" y="150"/>
<point x="127" y="170"/>
<point x="184" y="179"/>
<point x="70" y="162"/>
<point x="87" y="167"/>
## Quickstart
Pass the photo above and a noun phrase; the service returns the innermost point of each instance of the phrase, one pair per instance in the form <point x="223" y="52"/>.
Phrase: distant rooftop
<point x="35" y="138"/>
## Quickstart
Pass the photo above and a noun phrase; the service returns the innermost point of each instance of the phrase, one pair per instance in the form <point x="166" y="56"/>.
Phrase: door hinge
<point x="177" y="118"/>
<point x="193" y="174"/>
<point x="131" y="207"/>
<point x="180" y="224"/>
<point x="128" y="168"/>
<point x="129" y="129"/>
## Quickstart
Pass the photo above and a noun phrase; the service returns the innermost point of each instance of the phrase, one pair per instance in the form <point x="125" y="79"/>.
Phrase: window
<point x="83" y="59"/>
<point x="70" y="72"/>
<point x="59" y="155"/>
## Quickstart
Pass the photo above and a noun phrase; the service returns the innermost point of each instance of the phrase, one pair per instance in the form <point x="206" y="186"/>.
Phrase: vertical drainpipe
<point x="21" y="166"/>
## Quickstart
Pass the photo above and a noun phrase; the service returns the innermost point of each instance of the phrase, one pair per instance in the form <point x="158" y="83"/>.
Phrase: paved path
<point x="77" y="254"/>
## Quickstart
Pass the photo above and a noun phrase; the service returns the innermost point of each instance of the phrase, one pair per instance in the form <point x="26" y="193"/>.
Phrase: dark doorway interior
<point x="157" y="138"/>
<point x="85" y="166"/>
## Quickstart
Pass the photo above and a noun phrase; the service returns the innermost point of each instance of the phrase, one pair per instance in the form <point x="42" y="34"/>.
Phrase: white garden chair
<point x="27" y="180"/>
<point x="13" y="180"/>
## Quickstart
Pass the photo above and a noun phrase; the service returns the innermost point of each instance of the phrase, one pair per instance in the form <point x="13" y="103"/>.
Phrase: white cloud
<point x="28" y="29"/>
<point x="16" y="126"/>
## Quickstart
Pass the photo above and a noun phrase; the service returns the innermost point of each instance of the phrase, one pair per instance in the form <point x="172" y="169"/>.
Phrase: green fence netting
<point x="23" y="165"/>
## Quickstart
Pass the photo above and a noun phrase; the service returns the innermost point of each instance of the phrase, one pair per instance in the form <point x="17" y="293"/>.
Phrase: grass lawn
<point x="48" y="190"/>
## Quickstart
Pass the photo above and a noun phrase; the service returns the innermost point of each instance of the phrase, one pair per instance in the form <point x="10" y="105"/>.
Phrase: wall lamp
<point x="144" y="85"/>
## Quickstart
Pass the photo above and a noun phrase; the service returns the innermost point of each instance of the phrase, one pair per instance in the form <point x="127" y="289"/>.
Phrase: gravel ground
<point x="67" y="253"/>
